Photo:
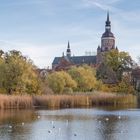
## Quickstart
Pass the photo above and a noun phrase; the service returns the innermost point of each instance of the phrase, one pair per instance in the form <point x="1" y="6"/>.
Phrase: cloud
<point x="127" y="37"/>
<point x="110" y="5"/>
<point x="102" y="4"/>
<point x="50" y="24"/>
<point x="42" y="55"/>
<point x="131" y="15"/>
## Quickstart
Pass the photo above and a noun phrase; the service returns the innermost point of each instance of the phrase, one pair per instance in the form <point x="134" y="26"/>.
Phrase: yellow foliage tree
<point x="61" y="81"/>
<point x="84" y="76"/>
<point x="18" y="74"/>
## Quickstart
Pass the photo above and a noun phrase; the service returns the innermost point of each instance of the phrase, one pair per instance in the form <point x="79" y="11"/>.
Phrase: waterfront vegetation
<point x="19" y="76"/>
<point x="65" y="101"/>
<point x="22" y="86"/>
<point x="112" y="75"/>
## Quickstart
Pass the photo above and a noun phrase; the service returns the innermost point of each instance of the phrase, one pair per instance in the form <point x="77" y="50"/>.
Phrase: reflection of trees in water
<point x="69" y="117"/>
<point x="16" y="116"/>
<point x="119" y="107"/>
<point x="107" y="129"/>
<point x="84" y="125"/>
<point x="19" y="120"/>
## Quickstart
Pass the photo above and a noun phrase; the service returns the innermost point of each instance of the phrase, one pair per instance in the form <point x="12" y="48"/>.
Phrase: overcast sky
<point x="40" y="29"/>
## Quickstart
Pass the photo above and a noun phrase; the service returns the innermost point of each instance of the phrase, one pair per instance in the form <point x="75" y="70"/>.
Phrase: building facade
<point x="107" y="44"/>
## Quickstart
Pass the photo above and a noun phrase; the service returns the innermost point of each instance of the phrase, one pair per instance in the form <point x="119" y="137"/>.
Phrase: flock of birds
<point x="53" y="126"/>
<point x="49" y="131"/>
<point x="59" y="129"/>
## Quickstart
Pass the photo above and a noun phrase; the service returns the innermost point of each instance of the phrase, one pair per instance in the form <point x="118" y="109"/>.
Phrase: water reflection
<point x="70" y="124"/>
<point x="13" y="123"/>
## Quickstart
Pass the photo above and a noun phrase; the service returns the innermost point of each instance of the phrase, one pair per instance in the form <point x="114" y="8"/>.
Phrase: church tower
<point x="107" y="40"/>
<point x="68" y="52"/>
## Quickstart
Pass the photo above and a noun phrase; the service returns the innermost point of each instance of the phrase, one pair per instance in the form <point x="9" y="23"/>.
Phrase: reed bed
<point x="73" y="101"/>
<point x="65" y="101"/>
<point x="18" y="102"/>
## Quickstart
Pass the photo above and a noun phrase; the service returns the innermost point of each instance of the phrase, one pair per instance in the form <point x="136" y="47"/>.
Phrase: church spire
<point x="68" y="50"/>
<point x="68" y="45"/>
<point x="108" y="23"/>
<point x="108" y="16"/>
<point x="108" y="39"/>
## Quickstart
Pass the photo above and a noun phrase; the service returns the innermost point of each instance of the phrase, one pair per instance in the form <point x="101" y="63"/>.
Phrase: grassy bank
<point x="65" y="101"/>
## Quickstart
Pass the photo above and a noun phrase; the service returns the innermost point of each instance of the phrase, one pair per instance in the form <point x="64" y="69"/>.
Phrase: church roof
<point x="78" y="60"/>
<point x="108" y="34"/>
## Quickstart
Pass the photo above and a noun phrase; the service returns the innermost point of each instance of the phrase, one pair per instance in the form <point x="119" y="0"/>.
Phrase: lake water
<point x="70" y="124"/>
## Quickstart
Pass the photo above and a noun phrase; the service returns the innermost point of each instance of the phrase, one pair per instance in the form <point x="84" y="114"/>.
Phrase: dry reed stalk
<point x="14" y="101"/>
<point x="65" y="101"/>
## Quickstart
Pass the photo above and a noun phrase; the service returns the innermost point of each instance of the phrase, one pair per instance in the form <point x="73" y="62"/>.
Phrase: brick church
<point x="107" y="44"/>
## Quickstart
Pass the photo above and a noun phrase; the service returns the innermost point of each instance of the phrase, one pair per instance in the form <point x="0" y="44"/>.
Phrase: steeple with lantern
<point x="107" y="39"/>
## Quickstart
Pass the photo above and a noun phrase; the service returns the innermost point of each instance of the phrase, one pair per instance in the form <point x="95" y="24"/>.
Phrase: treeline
<point x="83" y="79"/>
<point x="18" y="75"/>
<point x="112" y="75"/>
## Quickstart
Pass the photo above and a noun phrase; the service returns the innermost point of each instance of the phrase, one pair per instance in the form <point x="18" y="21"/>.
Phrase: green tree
<point x="106" y="74"/>
<point x="118" y="62"/>
<point x="114" y="64"/>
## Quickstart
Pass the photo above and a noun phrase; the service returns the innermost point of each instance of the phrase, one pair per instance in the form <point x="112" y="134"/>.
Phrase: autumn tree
<point x="61" y="82"/>
<point x="18" y="74"/>
<point x="84" y="76"/>
<point x="116" y="62"/>
<point x="125" y="85"/>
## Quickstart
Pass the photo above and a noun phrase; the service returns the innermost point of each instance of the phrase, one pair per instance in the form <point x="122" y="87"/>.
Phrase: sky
<point x="40" y="29"/>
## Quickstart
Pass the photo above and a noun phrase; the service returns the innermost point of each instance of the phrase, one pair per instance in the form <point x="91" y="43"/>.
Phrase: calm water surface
<point x="70" y="124"/>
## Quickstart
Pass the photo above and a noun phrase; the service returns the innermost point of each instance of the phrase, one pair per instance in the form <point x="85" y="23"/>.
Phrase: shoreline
<point x="65" y="101"/>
